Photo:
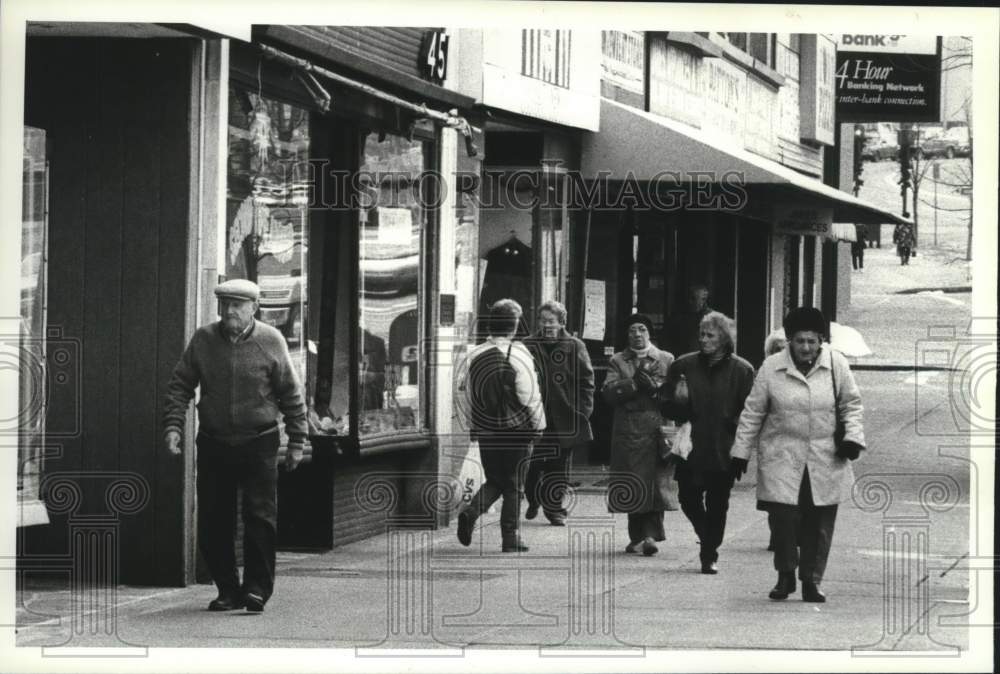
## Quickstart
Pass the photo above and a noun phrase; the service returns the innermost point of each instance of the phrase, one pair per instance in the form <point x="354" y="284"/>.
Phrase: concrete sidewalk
<point x="895" y="325"/>
<point x="576" y="588"/>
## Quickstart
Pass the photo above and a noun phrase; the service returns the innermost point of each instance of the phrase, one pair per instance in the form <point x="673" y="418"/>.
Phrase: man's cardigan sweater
<point x="244" y="386"/>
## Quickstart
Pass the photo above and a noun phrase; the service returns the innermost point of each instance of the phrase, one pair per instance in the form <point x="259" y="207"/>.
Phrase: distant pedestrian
<point x="717" y="383"/>
<point x="643" y="490"/>
<point x="567" y="387"/>
<point x="506" y="416"/>
<point x="247" y="379"/>
<point x="902" y="236"/>
<point x="682" y="328"/>
<point x="791" y="418"/>
<point x="858" y="247"/>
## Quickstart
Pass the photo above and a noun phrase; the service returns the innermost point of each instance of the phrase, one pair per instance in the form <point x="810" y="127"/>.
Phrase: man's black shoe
<point x="785" y="585"/>
<point x="531" y="513"/>
<point x="811" y="592"/>
<point x="709" y="568"/>
<point x="513" y="544"/>
<point x="226" y="602"/>
<point x="255" y="603"/>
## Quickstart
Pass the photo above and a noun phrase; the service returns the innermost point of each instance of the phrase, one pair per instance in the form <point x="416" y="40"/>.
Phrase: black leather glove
<point x="644" y="381"/>
<point x="738" y="467"/>
<point x="849" y="450"/>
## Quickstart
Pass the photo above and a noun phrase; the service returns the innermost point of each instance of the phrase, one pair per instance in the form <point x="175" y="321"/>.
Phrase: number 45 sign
<point x="434" y="56"/>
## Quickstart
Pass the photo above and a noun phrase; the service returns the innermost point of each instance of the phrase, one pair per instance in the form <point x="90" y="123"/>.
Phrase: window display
<point x="392" y="221"/>
<point x="267" y="209"/>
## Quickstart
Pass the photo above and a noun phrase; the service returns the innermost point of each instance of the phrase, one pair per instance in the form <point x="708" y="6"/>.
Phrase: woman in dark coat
<point x="567" y="386"/>
<point x="640" y="482"/>
<point x="708" y="388"/>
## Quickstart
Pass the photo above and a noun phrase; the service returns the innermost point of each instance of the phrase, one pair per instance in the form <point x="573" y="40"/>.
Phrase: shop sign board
<point x="553" y="75"/>
<point x="725" y="89"/>
<point x="675" y="87"/>
<point x="624" y="59"/>
<point x="816" y="92"/>
<point x="803" y="220"/>
<point x="888" y="78"/>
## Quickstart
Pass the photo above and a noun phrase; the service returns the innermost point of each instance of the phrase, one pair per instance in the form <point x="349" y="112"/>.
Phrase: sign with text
<point x="888" y="78"/>
<point x="624" y="59"/>
<point x="816" y="97"/>
<point x="803" y="220"/>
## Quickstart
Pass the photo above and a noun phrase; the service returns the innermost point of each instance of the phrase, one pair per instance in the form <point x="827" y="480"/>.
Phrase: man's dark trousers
<point x="504" y="463"/>
<point x="251" y="466"/>
<point x="548" y="476"/>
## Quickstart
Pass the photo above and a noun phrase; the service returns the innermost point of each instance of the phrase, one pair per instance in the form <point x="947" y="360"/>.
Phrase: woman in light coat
<point x="790" y="417"/>
<point x="641" y="479"/>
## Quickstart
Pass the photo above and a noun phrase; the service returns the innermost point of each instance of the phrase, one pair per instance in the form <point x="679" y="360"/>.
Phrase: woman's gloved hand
<point x="738" y="467"/>
<point x="849" y="450"/>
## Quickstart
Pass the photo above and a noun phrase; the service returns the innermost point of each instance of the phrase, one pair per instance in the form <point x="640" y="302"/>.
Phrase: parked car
<point x="952" y="143"/>
<point x="878" y="148"/>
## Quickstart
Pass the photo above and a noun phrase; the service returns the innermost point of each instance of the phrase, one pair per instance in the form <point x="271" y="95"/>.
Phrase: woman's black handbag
<point x="840" y="430"/>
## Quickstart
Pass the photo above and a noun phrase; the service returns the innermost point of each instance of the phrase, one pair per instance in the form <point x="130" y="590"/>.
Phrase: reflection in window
<point x="267" y="209"/>
<point x="391" y="220"/>
<point x="32" y="376"/>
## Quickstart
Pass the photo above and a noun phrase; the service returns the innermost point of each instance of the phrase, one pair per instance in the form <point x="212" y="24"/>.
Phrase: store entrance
<point x="649" y="262"/>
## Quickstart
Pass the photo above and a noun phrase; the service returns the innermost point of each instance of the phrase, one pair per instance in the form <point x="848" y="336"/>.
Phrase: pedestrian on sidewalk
<point x="717" y="383"/>
<point x="902" y="236"/>
<point x="858" y="248"/>
<point x="641" y="479"/>
<point x="247" y="379"/>
<point x="506" y="417"/>
<point x="799" y="399"/>
<point x="567" y="388"/>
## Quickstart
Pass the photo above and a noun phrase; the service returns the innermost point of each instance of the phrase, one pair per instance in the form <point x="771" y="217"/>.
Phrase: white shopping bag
<point x="470" y="478"/>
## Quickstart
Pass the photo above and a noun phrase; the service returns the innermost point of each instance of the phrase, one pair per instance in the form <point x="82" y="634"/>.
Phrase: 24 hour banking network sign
<point x="888" y="78"/>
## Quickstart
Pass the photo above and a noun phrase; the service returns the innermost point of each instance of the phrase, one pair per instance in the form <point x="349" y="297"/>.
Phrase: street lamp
<point x="905" y="139"/>
<point x="859" y="149"/>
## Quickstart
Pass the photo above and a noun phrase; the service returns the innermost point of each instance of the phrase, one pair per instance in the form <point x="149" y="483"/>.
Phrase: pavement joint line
<point x="118" y="604"/>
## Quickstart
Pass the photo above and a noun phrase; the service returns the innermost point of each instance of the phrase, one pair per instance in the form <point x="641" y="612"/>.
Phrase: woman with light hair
<point x="708" y="388"/>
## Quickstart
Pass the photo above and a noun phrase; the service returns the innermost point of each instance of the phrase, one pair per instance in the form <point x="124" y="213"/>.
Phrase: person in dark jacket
<point x="567" y="385"/>
<point x="708" y="388"/>
<point x="506" y="416"/>
<point x="247" y="379"/>
<point x="640" y="483"/>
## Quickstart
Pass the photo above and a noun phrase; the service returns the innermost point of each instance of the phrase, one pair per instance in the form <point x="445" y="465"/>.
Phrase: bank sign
<point x="888" y="78"/>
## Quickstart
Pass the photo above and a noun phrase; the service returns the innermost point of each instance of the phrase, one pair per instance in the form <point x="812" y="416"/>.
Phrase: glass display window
<point x="392" y="223"/>
<point x="267" y="213"/>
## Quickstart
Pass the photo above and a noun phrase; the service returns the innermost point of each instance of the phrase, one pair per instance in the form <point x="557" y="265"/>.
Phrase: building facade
<point x="383" y="186"/>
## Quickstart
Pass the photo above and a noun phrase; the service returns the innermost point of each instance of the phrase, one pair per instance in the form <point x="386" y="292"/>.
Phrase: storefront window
<point x="267" y="211"/>
<point x="32" y="374"/>
<point x="392" y="220"/>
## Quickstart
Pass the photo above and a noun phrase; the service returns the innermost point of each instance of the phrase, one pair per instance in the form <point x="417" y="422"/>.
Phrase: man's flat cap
<point x="239" y="289"/>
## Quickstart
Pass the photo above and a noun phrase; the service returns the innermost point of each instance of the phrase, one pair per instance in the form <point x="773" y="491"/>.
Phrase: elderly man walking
<point x="246" y="378"/>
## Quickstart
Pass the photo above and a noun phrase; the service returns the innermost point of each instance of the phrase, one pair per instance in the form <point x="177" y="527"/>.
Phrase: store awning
<point x="640" y="145"/>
